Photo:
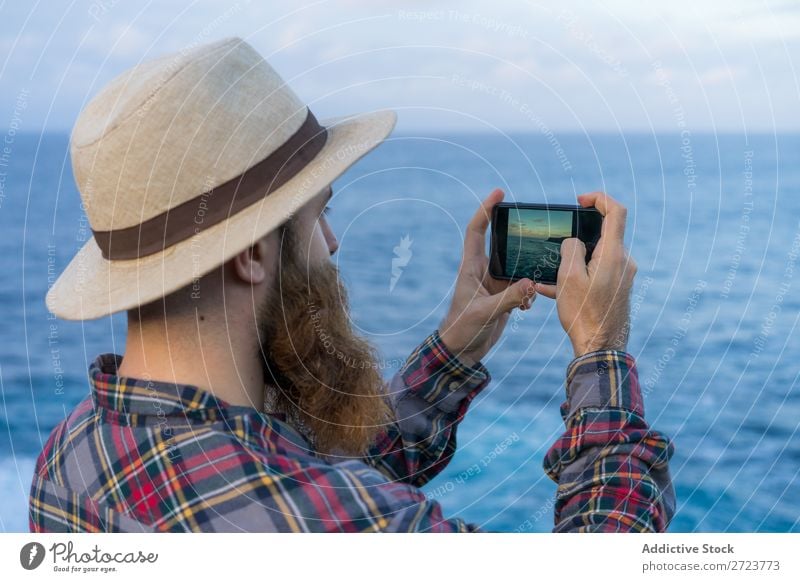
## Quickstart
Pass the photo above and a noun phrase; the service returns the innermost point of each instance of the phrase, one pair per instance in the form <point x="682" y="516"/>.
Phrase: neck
<point x="192" y="350"/>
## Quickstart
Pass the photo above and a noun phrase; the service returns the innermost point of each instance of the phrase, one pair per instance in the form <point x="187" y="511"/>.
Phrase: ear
<point x="252" y="264"/>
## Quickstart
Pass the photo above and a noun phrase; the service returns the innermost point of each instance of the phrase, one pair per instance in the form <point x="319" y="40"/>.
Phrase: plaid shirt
<point x="138" y="455"/>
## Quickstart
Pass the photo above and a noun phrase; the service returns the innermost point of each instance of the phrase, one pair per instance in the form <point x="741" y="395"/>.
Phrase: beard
<point x="317" y="371"/>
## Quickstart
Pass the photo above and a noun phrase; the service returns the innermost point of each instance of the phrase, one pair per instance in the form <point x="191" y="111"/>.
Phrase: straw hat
<point x="183" y="162"/>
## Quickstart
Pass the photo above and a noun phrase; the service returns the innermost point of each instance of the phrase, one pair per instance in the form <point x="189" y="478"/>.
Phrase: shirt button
<point x="454" y="385"/>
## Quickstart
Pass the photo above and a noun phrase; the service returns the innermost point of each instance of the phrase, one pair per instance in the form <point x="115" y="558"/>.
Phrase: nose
<point x="330" y="237"/>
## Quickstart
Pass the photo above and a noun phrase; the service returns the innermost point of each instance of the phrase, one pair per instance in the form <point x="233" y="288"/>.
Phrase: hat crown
<point x="170" y="129"/>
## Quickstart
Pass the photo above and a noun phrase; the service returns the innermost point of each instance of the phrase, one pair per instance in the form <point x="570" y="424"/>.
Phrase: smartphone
<point x="526" y="238"/>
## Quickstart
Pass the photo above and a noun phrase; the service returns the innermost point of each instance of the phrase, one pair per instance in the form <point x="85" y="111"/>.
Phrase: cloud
<point x="124" y="42"/>
<point x="582" y="65"/>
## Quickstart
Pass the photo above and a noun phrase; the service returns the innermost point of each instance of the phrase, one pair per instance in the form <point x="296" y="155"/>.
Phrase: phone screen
<point x="526" y="238"/>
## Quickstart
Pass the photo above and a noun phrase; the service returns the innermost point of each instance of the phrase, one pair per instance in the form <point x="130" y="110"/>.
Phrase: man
<point x="244" y="401"/>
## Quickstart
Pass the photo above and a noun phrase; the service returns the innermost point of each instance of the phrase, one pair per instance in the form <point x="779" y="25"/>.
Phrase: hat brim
<point x="92" y="287"/>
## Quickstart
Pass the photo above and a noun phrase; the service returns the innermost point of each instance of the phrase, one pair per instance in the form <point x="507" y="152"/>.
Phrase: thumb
<point x="518" y="294"/>
<point x="573" y="260"/>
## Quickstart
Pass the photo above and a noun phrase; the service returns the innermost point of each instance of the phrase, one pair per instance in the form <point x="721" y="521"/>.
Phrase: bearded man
<point x="244" y="400"/>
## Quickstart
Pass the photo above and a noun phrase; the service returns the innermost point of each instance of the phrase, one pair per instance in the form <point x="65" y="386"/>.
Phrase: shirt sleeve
<point x="611" y="469"/>
<point x="430" y="396"/>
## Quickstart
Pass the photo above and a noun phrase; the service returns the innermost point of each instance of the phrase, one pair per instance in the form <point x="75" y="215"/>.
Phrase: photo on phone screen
<point x="526" y="238"/>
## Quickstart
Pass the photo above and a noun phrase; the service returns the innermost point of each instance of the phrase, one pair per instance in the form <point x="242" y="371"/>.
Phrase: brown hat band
<point x="212" y="207"/>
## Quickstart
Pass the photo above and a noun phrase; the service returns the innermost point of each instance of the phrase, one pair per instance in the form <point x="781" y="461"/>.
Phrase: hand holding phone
<point x="481" y="305"/>
<point x="594" y="299"/>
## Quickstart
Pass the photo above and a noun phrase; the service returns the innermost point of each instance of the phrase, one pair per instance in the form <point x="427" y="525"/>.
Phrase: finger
<point x="546" y="290"/>
<point x="520" y="294"/>
<point x="573" y="261"/>
<point x="475" y="237"/>
<point x="614" y="215"/>
<point x="495" y="285"/>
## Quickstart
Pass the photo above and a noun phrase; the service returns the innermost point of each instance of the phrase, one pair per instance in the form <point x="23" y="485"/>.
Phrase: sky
<point x="612" y="66"/>
<point x="540" y="223"/>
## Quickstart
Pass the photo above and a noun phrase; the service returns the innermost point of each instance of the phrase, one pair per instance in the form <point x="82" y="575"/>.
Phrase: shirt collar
<point x="146" y="397"/>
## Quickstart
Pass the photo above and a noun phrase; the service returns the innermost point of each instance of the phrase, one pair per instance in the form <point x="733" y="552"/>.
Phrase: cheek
<point x="319" y="246"/>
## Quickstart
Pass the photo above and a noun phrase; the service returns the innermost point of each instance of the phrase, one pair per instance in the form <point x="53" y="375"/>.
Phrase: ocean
<point x="533" y="257"/>
<point x="714" y="225"/>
